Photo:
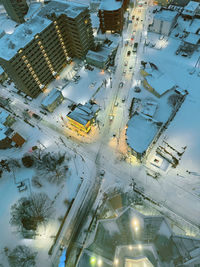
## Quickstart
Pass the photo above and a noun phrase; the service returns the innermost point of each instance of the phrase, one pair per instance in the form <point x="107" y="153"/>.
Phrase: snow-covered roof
<point x="51" y="97"/>
<point x="3" y="115"/>
<point x="110" y="5"/>
<point x="194" y="27"/>
<point x="192" y="38"/>
<point x="3" y="129"/>
<point x="101" y="55"/>
<point x="33" y="9"/>
<point x="71" y="9"/>
<point x="191" y="6"/>
<point x="141" y="132"/>
<point x="83" y="113"/>
<point x="166" y="15"/>
<point x="149" y="108"/>
<point x="96" y="56"/>
<point x="158" y="80"/>
<point x="7" y="25"/>
<point x="22" y="35"/>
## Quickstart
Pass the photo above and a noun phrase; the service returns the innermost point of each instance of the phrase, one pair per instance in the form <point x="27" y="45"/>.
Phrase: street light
<point x="99" y="262"/>
<point x="116" y="262"/>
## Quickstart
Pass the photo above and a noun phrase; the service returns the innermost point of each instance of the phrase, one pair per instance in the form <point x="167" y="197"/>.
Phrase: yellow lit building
<point x="83" y="116"/>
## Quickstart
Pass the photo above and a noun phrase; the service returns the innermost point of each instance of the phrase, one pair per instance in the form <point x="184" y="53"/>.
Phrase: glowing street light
<point x="116" y="262"/>
<point x="93" y="260"/>
<point x="99" y="262"/>
<point x="140" y="247"/>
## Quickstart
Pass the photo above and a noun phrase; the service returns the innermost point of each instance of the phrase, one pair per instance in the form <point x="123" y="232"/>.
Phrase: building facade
<point x="111" y="15"/>
<point x="16" y="9"/>
<point x="40" y="48"/>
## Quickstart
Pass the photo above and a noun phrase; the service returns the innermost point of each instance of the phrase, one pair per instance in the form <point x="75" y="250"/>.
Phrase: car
<point x="161" y="37"/>
<point x="126" y="63"/>
<point x="124" y="72"/>
<point x="176" y="35"/>
<point x="128" y="53"/>
<point x="43" y="112"/>
<point x="76" y="69"/>
<point x="133" y="16"/>
<point x="123" y="100"/>
<point x="102" y="172"/>
<point x="121" y="84"/>
<point x="137" y="18"/>
<point x="37" y="117"/>
<point x="137" y="89"/>
<point x="126" y="43"/>
<point x="177" y="52"/>
<point x="111" y="117"/>
<point x="116" y="104"/>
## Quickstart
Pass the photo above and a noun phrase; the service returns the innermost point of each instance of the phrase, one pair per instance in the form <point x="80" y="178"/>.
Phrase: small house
<point x="52" y="100"/>
<point x="83" y="116"/>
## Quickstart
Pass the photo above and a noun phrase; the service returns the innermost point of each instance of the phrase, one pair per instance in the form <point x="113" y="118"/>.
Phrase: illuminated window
<point x="56" y="26"/>
<point x="26" y="61"/>
<point x="86" y="21"/>
<point x="24" y="57"/>
<point x="28" y="65"/>
<point x="39" y="42"/>
<point x="55" y="22"/>
<point x="20" y="51"/>
<point x="36" y="36"/>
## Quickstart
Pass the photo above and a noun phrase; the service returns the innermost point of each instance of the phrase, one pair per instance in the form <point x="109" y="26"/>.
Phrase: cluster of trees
<point x="51" y="166"/>
<point x="21" y="256"/>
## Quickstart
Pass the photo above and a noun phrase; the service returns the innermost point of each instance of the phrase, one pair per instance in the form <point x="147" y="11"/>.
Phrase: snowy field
<point x="60" y="194"/>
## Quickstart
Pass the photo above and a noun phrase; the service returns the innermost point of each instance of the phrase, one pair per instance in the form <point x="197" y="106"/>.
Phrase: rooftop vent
<point x="28" y="31"/>
<point x="11" y="45"/>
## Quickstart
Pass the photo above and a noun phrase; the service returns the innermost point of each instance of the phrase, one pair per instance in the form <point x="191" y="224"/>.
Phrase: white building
<point x="164" y="21"/>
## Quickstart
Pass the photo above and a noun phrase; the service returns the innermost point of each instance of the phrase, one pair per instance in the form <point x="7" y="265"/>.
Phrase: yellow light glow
<point x="116" y="261"/>
<point x="99" y="263"/>
<point x="139" y="247"/>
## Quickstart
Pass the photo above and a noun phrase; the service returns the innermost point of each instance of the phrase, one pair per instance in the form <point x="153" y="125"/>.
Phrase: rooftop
<point x="51" y="97"/>
<point x="192" y="38"/>
<point x="166" y="15"/>
<point x="158" y="80"/>
<point x="22" y="35"/>
<point x="191" y="6"/>
<point x="71" y="9"/>
<point x="101" y="55"/>
<point x="110" y="5"/>
<point x="194" y="26"/>
<point x="141" y="132"/>
<point x="83" y="113"/>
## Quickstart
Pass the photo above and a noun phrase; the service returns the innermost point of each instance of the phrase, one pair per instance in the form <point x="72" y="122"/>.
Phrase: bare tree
<point x="52" y="166"/>
<point x="31" y="211"/>
<point x="21" y="256"/>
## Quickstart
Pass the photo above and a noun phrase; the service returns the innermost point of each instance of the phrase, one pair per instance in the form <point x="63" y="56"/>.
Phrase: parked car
<point x="137" y="89"/>
<point x="128" y="53"/>
<point x="121" y="84"/>
<point x="43" y="112"/>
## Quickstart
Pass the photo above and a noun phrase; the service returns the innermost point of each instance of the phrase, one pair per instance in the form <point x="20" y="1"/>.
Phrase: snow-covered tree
<point x="31" y="211"/>
<point x="21" y="256"/>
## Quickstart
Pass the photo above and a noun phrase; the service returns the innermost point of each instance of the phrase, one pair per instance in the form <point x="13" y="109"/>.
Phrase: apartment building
<point x="111" y="15"/>
<point x="16" y="9"/>
<point x="73" y="21"/>
<point x="39" y="48"/>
